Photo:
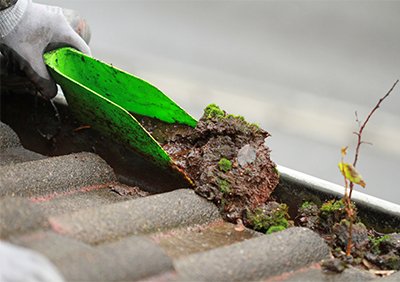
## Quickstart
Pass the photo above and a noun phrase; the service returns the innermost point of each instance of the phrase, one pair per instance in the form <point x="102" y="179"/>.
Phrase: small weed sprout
<point x="349" y="172"/>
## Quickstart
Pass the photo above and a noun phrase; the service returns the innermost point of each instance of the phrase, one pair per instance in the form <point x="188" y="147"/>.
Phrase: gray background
<point x="300" y="69"/>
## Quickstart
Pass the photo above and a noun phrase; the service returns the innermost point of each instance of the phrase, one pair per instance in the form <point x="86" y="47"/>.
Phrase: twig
<point x="359" y="135"/>
<point x="350" y="239"/>
<point x="349" y="209"/>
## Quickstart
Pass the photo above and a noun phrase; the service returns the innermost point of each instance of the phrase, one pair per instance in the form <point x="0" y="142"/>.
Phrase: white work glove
<point x="27" y="30"/>
<point x="19" y="264"/>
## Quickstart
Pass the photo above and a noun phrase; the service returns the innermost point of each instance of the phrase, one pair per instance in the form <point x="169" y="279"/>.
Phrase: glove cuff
<point x="10" y="17"/>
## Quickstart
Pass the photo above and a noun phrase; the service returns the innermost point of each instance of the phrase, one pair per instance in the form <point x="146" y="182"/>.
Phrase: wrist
<point x="10" y="17"/>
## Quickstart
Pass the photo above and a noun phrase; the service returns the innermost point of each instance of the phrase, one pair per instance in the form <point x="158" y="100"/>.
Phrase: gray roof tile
<point x="54" y="246"/>
<point x="88" y="197"/>
<point x="11" y="150"/>
<point x="136" y="258"/>
<point x="8" y="138"/>
<point x="54" y="175"/>
<point x="129" y="259"/>
<point x="181" y="242"/>
<point x="144" y="215"/>
<point x="14" y="155"/>
<point x="255" y="259"/>
<point x="315" y="273"/>
<point x="19" y="215"/>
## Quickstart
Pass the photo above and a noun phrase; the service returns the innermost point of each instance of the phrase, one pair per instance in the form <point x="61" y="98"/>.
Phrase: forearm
<point x="4" y="4"/>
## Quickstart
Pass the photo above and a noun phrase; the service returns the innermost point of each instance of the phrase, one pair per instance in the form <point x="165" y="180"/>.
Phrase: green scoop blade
<point x="102" y="96"/>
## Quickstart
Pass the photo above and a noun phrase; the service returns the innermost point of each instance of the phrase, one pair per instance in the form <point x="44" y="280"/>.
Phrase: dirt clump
<point x="227" y="159"/>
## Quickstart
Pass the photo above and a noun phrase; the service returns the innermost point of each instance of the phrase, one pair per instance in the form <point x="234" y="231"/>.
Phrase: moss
<point x="276" y="228"/>
<point x="307" y="205"/>
<point x="255" y="125"/>
<point x="332" y="212"/>
<point x="222" y="204"/>
<point x="269" y="219"/>
<point x="213" y="111"/>
<point x="225" y="165"/>
<point x="376" y="243"/>
<point x="337" y="210"/>
<point x="224" y="186"/>
<point x="393" y="262"/>
<point x="332" y="206"/>
<point x="238" y="117"/>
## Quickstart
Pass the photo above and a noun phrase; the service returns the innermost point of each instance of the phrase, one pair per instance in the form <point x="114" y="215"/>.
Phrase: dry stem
<point x="349" y="209"/>
<point x="359" y="134"/>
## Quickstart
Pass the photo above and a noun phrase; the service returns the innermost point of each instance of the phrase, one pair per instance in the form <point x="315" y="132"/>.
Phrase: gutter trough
<point x="296" y="187"/>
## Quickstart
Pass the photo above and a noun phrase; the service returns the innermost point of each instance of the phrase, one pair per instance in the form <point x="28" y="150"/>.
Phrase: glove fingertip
<point x="47" y="89"/>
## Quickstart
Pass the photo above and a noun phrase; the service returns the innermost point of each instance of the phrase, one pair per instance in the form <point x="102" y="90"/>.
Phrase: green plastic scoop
<point x="102" y="96"/>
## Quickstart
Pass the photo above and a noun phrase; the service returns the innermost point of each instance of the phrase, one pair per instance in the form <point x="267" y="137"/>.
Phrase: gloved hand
<point x="19" y="264"/>
<point x="28" y="30"/>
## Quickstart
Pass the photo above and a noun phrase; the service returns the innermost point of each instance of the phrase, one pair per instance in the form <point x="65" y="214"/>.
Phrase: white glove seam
<point x="10" y="17"/>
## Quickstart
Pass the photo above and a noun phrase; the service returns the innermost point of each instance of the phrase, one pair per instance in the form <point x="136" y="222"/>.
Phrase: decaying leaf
<point x="351" y="174"/>
<point x="239" y="225"/>
<point x="382" y="273"/>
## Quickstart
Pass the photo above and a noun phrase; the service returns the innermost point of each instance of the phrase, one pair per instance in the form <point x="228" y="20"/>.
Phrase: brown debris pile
<point x="228" y="160"/>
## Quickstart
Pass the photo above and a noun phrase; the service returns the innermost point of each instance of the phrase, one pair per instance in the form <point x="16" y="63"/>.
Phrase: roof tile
<point x="11" y="150"/>
<point x="54" y="175"/>
<point x="181" y="242"/>
<point x="129" y="259"/>
<point x="144" y="215"/>
<point x="86" y="197"/>
<point x="50" y="244"/>
<point x="10" y="156"/>
<point x="136" y="258"/>
<point x="19" y="215"/>
<point x="257" y="258"/>
<point x="315" y="273"/>
<point x="8" y="138"/>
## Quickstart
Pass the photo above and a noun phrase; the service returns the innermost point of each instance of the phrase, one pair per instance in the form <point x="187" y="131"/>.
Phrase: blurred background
<point x="300" y="69"/>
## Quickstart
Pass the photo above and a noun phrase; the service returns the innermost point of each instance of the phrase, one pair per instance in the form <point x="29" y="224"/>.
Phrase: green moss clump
<point x="213" y="111"/>
<point x="224" y="186"/>
<point x="333" y="206"/>
<point x="255" y="125"/>
<point x="276" y="228"/>
<point x="225" y="165"/>
<point x="238" y="117"/>
<point x="272" y="217"/>
<point x="393" y="262"/>
<point x="332" y="212"/>
<point x="306" y="205"/>
<point x="376" y="243"/>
